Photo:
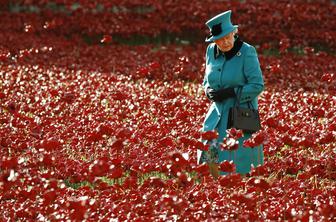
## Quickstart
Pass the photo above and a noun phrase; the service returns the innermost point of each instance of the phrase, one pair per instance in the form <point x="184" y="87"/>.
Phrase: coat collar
<point x="229" y="54"/>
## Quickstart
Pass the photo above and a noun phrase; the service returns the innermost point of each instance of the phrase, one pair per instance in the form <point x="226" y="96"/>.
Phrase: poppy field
<point x="101" y="109"/>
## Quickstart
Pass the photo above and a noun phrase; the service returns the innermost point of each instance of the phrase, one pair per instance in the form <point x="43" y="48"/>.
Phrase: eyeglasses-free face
<point x="225" y="43"/>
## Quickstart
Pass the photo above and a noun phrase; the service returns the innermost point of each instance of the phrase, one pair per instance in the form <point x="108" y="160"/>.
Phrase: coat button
<point x="219" y="69"/>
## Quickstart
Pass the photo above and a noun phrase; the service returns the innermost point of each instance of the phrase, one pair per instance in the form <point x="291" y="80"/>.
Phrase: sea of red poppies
<point x="96" y="128"/>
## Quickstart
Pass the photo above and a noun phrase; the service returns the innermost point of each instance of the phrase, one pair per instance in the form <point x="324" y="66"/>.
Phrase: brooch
<point x="238" y="53"/>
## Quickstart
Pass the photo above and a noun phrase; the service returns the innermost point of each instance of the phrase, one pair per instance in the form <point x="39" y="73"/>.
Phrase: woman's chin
<point x="226" y="49"/>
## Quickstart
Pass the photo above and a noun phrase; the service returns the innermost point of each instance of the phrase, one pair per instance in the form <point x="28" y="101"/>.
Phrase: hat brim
<point x="211" y="38"/>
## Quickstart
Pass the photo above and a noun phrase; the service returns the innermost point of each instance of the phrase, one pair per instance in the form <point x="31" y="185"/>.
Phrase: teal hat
<point x="220" y="26"/>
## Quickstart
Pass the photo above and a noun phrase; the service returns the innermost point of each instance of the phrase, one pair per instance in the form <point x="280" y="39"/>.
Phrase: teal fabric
<point x="243" y="70"/>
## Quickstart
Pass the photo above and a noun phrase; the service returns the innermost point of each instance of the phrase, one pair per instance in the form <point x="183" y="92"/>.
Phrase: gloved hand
<point x="219" y="95"/>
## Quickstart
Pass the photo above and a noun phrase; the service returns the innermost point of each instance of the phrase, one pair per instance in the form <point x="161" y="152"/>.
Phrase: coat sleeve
<point x="254" y="80"/>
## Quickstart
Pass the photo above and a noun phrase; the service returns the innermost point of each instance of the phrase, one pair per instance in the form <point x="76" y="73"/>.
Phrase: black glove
<point x="220" y="95"/>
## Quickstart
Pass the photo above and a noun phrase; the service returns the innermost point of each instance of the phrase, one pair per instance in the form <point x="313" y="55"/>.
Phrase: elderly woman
<point x="231" y="65"/>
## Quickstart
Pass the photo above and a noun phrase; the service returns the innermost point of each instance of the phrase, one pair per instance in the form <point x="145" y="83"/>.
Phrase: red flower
<point x="259" y="183"/>
<point x="234" y="133"/>
<point x="209" y="135"/>
<point x="328" y="77"/>
<point x="229" y="144"/>
<point x="256" y="140"/>
<point x="227" y="166"/>
<point x="106" y="39"/>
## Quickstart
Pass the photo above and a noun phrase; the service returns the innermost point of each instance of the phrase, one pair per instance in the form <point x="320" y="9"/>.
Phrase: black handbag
<point x="246" y="119"/>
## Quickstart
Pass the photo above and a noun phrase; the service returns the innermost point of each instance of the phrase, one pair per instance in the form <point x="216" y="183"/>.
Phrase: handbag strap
<point x="237" y="102"/>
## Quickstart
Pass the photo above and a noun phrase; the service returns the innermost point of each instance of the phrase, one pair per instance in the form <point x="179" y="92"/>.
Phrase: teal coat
<point x="241" y="70"/>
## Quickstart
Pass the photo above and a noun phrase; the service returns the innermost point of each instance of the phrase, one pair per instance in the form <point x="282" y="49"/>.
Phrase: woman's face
<point x="226" y="42"/>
